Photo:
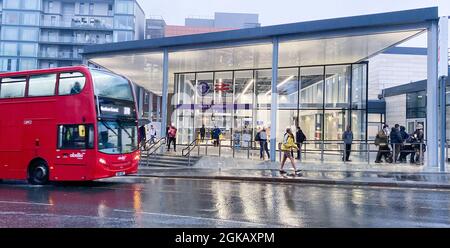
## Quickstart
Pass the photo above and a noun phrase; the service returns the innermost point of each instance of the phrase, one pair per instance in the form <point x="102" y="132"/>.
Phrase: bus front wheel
<point x="38" y="173"/>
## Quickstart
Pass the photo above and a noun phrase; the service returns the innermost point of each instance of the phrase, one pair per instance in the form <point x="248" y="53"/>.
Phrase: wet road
<point x="153" y="202"/>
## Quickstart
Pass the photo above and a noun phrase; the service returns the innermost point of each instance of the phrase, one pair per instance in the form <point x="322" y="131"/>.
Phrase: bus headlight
<point x="102" y="161"/>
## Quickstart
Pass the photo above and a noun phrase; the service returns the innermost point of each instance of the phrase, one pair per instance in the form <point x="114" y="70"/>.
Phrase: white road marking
<point x="191" y="217"/>
<point x="26" y="203"/>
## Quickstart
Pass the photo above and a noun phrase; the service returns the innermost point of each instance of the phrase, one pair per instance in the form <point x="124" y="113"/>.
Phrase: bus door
<point x="75" y="143"/>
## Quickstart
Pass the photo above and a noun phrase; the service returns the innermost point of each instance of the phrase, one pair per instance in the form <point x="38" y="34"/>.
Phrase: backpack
<point x="302" y="138"/>
<point x="258" y="137"/>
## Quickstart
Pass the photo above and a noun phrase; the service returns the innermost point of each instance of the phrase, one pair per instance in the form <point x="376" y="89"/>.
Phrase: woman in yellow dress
<point x="287" y="146"/>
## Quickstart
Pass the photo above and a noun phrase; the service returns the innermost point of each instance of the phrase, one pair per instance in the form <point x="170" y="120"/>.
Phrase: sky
<point x="282" y="11"/>
<point x="272" y="12"/>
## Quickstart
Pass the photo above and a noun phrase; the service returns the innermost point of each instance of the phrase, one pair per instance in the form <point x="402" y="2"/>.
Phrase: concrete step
<point x="168" y="160"/>
<point x="165" y="165"/>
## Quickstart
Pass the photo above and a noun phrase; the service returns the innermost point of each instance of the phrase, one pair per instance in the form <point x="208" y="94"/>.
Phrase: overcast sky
<point x="283" y="11"/>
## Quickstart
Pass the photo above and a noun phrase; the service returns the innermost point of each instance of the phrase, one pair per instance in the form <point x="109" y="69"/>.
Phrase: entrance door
<point x="184" y="107"/>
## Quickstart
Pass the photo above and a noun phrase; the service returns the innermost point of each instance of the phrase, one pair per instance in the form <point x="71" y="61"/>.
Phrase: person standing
<point x="287" y="147"/>
<point x="404" y="148"/>
<point x="172" y="134"/>
<point x="381" y="140"/>
<point x="347" y="137"/>
<point x="396" y="142"/>
<point x="263" y="147"/>
<point x="419" y="146"/>
<point x="202" y="133"/>
<point x="152" y="133"/>
<point x="300" y="137"/>
<point x="216" y="135"/>
<point x="142" y="136"/>
<point x="386" y="130"/>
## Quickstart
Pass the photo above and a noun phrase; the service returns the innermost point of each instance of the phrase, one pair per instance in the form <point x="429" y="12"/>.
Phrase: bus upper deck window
<point x="12" y="87"/>
<point x="42" y="85"/>
<point x="71" y="83"/>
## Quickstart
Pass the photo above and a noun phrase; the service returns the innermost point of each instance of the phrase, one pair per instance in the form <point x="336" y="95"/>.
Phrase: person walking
<point x="347" y="137"/>
<point x="419" y="145"/>
<point x="202" y="133"/>
<point x="287" y="147"/>
<point x="263" y="147"/>
<point x="300" y="137"/>
<point x="152" y="133"/>
<point x="172" y="134"/>
<point x="381" y="140"/>
<point x="396" y="142"/>
<point x="216" y="136"/>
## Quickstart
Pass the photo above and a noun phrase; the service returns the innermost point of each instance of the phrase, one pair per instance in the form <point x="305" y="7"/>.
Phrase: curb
<point x="307" y="181"/>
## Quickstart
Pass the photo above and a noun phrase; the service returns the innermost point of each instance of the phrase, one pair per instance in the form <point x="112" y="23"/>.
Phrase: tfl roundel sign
<point x="203" y="88"/>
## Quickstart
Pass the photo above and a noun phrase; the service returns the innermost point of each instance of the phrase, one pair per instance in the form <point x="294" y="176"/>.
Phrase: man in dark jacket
<point x="405" y="149"/>
<point x="396" y="141"/>
<point x="300" y="137"/>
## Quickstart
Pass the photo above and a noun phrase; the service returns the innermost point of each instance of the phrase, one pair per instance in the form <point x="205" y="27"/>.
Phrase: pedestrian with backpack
<point x="287" y="147"/>
<point x="300" y="137"/>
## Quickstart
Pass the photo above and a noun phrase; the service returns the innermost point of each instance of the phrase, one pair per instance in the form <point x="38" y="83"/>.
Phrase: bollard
<point x="395" y="153"/>
<point x="368" y="151"/>
<point x="304" y="152"/>
<point x="233" y="144"/>
<point x="248" y="149"/>
<point x="420" y="153"/>
<point x="220" y="148"/>
<point x="446" y="151"/>
<point x="321" y="151"/>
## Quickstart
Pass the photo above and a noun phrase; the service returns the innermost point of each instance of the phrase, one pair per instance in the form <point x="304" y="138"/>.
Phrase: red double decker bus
<point x="67" y="124"/>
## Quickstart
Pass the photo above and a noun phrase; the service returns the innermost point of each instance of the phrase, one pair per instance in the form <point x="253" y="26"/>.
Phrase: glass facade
<point x="416" y="105"/>
<point x="322" y="100"/>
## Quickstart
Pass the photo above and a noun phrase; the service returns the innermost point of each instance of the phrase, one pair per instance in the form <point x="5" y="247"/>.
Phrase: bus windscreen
<point x="111" y="86"/>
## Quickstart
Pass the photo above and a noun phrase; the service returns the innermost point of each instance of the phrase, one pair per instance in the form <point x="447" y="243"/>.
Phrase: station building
<point x="309" y="74"/>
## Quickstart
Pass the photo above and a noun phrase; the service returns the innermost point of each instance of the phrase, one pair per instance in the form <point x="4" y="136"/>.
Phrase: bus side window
<point x="71" y="83"/>
<point x="75" y="136"/>
<point x="12" y="87"/>
<point x="42" y="85"/>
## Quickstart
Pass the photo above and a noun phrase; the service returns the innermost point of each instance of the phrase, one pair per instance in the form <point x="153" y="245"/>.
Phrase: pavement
<point x="337" y="173"/>
<point x="125" y="202"/>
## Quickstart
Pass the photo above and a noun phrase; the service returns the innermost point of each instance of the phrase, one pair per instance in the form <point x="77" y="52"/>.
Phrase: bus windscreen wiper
<point x="109" y="128"/>
<point x="123" y="128"/>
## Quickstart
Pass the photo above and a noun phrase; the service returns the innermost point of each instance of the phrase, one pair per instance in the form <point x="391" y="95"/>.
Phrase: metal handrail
<point x="157" y="144"/>
<point x="193" y="144"/>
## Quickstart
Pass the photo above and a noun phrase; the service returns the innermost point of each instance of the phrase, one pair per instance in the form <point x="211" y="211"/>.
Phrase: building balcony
<point x="73" y="41"/>
<point x="90" y="24"/>
<point x="59" y="55"/>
